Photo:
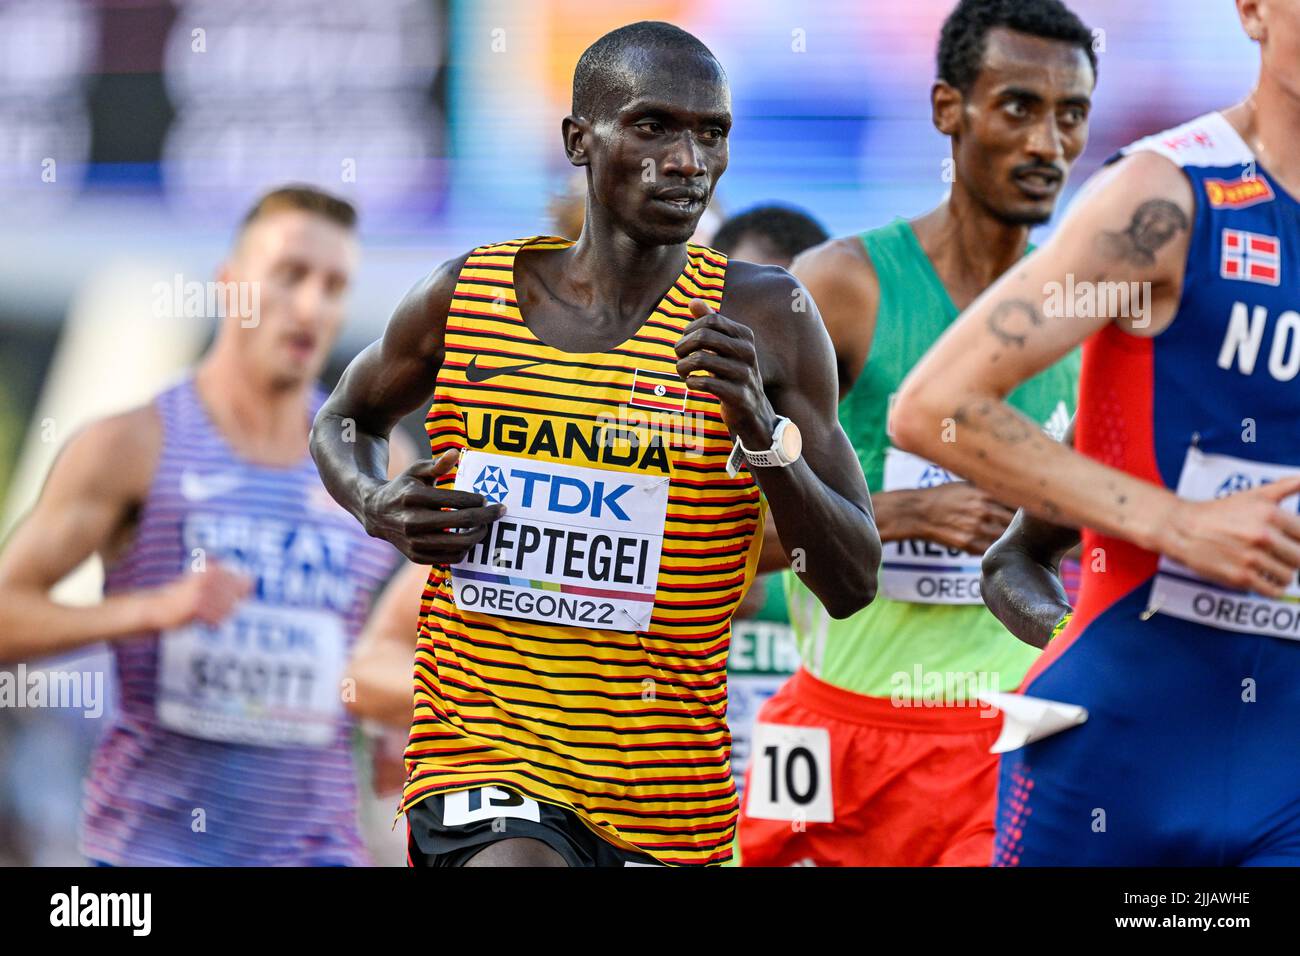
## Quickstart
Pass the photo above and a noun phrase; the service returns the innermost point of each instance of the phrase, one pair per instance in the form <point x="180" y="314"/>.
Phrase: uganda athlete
<point x="1181" y="258"/>
<point x="608" y="416"/>
<point x="876" y="753"/>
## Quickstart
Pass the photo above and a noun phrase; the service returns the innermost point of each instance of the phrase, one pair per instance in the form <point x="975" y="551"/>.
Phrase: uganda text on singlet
<point x="578" y="654"/>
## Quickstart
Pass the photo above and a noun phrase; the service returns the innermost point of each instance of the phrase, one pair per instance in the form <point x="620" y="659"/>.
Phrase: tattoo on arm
<point x="1010" y="321"/>
<point x="1153" y="225"/>
<point x="999" y="420"/>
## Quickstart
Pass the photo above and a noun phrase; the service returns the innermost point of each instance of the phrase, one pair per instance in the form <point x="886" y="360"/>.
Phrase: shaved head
<point x="609" y="65"/>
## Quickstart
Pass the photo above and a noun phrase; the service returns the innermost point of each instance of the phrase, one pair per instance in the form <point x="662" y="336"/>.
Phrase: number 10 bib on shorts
<point x="577" y="546"/>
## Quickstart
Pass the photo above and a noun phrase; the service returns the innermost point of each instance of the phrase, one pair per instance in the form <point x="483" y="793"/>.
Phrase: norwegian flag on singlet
<point x="1251" y="257"/>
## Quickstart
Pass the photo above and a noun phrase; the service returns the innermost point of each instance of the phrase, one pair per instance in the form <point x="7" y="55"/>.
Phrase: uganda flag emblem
<point x="661" y="391"/>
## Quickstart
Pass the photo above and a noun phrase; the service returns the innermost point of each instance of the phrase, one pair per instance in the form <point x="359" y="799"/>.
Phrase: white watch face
<point x="791" y="442"/>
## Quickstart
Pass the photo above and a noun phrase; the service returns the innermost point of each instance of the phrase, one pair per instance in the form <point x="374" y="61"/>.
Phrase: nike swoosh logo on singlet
<point x="474" y="373"/>
<point x="197" y="487"/>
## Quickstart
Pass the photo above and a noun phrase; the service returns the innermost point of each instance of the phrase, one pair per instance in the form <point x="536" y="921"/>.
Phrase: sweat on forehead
<point x="622" y="63"/>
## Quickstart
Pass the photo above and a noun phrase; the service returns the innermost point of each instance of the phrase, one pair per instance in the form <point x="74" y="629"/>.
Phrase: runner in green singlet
<point x="876" y="751"/>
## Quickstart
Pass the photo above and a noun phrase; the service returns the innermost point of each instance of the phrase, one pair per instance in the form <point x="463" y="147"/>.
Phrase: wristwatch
<point x="787" y="445"/>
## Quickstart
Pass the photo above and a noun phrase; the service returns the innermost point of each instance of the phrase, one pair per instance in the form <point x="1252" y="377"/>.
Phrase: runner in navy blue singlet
<point x="1160" y="727"/>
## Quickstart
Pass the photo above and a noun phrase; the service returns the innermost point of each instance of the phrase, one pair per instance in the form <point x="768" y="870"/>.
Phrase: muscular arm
<point x="350" y="438"/>
<point x="1021" y="581"/>
<point x="839" y="277"/>
<point x="87" y="504"/>
<point x="389" y="379"/>
<point x="1006" y="337"/>
<point x="1131" y="226"/>
<point x="779" y="361"/>
<point x="381" y="660"/>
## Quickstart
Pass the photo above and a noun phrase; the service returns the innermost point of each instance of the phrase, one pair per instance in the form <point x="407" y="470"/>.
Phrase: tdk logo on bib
<point x="1233" y="484"/>
<point x="1239" y="481"/>
<point x="933" y="477"/>
<point x="559" y="494"/>
<point x="571" y="496"/>
<point x="491" y="484"/>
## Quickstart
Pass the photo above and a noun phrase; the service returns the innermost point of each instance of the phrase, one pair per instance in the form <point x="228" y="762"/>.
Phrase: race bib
<point x="1179" y="592"/>
<point x="266" y="676"/>
<point x="577" y="546"/>
<point x="487" y="803"/>
<point x="919" y="571"/>
<point x="790" y="774"/>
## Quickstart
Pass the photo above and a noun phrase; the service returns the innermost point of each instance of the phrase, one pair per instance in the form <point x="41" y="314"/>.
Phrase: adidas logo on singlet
<point x="1058" y="422"/>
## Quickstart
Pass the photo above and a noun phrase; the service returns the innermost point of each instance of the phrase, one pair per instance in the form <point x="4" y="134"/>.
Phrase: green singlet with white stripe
<point x="892" y="648"/>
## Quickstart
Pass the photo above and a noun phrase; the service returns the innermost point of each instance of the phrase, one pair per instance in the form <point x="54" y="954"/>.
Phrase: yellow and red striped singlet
<point x="625" y="727"/>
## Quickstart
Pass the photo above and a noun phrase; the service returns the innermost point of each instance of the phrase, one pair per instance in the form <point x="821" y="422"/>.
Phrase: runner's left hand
<point x="725" y="349"/>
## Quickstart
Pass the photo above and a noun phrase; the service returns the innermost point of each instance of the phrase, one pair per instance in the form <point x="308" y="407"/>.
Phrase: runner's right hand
<point x="960" y="515"/>
<point x="427" y="524"/>
<point x="1244" y="540"/>
<point x="206" y="597"/>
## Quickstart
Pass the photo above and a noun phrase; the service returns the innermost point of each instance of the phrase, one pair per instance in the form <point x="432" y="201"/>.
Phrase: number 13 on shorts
<point x="790" y="775"/>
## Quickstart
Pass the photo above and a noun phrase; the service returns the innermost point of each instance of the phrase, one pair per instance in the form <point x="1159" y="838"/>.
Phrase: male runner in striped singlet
<point x="1183" y="257"/>
<point x="234" y="584"/>
<point x="590" y="527"/>
<point x="876" y="752"/>
<point x="761" y="653"/>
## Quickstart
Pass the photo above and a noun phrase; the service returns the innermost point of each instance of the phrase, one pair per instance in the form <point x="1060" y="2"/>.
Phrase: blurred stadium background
<point x="134" y="133"/>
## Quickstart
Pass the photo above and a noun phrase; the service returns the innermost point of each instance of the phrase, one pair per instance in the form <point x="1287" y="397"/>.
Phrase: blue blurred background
<point x="134" y="133"/>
